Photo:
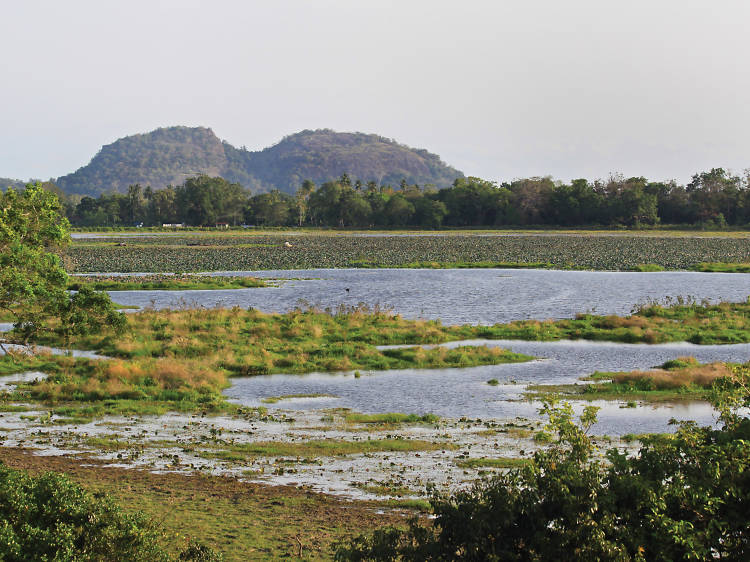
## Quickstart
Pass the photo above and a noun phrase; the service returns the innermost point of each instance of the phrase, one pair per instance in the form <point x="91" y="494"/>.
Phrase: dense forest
<point x="712" y="199"/>
<point x="168" y="156"/>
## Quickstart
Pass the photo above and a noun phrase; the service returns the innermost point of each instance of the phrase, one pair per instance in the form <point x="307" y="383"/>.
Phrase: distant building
<point x="173" y="225"/>
<point x="222" y="225"/>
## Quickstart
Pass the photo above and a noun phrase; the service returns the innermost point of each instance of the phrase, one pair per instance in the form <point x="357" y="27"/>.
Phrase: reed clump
<point x="699" y="376"/>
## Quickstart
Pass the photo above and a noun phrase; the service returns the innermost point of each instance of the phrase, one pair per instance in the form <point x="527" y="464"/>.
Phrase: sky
<point x="499" y="89"/>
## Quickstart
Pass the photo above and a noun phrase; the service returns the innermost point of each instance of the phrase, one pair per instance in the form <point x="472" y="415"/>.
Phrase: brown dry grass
<point x="702" y="376"/>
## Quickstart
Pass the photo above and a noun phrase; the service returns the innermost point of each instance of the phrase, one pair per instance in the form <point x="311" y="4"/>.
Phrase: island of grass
<point x="722" y="267"/>
<point x="318" y="448"/>
<point x="682" y="379"/>
<point x="699" y="323"/>
<point x="165" y="282"/>
<point x="183" y="359"/>
<point x="276" y="399"/>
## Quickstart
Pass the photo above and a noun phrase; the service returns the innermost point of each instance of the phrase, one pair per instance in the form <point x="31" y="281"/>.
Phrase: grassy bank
<point x="722" y="267"/>
<point x="365" y="264"/>
<point x="165" y="282"/>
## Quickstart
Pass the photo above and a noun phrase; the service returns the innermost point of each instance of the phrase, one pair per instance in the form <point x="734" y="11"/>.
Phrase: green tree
<point x="51" y="518"/>
<point x="135" y="203"/>
<point x="271" y="209"/>
<point x="428" y="212"/>
<point x="398" y="210"/>
<point x="31" y="275"/>
<point x="33" y="283"/>
<point x="355" y="210"/>
<point x="301" y="200"/>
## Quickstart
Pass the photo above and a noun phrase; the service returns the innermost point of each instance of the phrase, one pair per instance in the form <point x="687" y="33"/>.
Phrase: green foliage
<point x="32" y="280"/>
<point x="682" y="498"/>
<point x="722" y="267"/>
<point x="199" y="552"/>
<point x="33" y="283"/>
<point x="51" y="518"/>
<point x="86" y="311"/>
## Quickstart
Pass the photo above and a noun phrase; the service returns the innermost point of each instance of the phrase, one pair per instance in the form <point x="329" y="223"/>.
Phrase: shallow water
<point x="476" y="296"/>
<point x="459" y="296"/>
<point x="9" y="382"/>
<point x="80" y="353"/>
<point x="457" y="393"/>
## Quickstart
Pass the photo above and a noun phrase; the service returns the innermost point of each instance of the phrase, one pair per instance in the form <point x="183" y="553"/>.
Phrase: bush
<point x="49" y="517"/>
<point x="683" y="498"/>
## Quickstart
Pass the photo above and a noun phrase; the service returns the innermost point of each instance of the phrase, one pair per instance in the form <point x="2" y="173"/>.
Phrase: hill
<point x="10" y="182"/>
<point x="159" y="158"/>
<point x="169" y="155"/>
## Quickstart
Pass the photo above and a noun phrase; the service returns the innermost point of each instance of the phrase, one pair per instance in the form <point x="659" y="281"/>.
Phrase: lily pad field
<point x="197" y="252"/>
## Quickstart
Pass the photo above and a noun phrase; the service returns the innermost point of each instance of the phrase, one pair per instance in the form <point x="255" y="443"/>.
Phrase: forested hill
<point x="323" y="155"/>
<point x="170" y="155"/>
<point x="159" y="158"/>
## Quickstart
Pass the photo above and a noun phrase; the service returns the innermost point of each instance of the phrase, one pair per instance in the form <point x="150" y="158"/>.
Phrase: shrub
<point x="49" y="517"/>
<point x="568" y="504"/>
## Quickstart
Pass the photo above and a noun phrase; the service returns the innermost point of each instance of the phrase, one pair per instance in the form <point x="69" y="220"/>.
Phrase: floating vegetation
<point x="276" y="399"/>
<point x="312" y="251"/>
<point x="319" y="448"/>
<point x="494" y="462"/>
<point x="391" y="418"/>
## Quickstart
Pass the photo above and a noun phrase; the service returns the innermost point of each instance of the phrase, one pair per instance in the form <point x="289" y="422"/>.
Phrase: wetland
<point x="366" y="384"/>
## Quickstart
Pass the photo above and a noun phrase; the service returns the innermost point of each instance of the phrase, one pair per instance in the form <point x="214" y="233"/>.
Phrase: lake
<point x="459" y="296"/>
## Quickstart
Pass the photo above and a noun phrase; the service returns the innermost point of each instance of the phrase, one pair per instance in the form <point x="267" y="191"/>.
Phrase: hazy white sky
<point x="500" y="89"/>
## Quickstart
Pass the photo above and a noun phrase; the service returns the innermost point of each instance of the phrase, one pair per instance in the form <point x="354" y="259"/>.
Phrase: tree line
<point x="715" y="198"/>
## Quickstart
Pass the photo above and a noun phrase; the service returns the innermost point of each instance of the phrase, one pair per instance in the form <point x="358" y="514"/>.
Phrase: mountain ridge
<point x="168" y="155"/>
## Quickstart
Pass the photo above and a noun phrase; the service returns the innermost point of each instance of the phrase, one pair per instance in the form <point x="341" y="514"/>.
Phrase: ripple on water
<point x="458" y="296"/>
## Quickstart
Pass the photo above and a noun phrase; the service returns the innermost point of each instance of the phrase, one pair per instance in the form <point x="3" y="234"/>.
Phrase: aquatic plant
<point x="311" y="251"/>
